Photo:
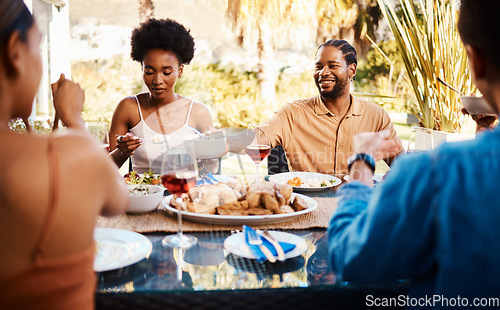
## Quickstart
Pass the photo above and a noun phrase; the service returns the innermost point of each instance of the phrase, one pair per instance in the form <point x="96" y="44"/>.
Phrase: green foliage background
<point x="232" y="93"/>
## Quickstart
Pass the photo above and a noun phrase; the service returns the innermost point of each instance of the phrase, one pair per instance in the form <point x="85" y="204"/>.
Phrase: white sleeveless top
<point x="149" y="154"/>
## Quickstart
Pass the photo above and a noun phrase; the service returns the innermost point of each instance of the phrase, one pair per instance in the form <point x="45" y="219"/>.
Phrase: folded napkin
<point x="260" y="257"/>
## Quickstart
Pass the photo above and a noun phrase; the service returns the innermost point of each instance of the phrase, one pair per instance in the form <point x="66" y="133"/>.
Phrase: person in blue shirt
<point x="435" y="218"/>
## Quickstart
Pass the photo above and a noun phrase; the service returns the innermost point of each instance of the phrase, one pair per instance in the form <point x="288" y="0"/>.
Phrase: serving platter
<point x="311" y="205"/>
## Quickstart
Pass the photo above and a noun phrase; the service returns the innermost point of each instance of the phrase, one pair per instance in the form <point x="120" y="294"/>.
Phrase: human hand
<point x="128" y="143"/>
<point x="483" y="122"/>
<point x="377" y="144"/>
<point x="68" y="98"/>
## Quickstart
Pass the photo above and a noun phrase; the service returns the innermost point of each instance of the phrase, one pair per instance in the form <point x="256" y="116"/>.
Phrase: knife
<point x="277" y="246"/>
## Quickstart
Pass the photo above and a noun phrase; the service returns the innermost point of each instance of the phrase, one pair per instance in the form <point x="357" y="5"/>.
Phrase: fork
<point x="254" y="239"/>
<point x="206" y="179"/>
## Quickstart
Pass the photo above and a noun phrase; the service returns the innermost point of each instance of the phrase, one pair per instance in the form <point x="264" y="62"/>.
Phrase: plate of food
<point x="306" y="181"/>
<point x="377" y="178"/>
<point x="117" y="248"/>
<point x="224" y="204"/>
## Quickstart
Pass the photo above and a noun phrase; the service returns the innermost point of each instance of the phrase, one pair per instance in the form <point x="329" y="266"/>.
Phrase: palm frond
<point x="429" y="43"/>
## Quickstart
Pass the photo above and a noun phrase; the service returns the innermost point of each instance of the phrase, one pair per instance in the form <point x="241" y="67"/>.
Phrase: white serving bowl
<point x="140" y="203"/>
<point x="208" y="146"/>
<point x="477" y="106"/>
<point x="238" y="138"/>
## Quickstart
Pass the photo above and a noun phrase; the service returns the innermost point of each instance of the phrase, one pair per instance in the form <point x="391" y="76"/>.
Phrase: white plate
<point x="117" y="248"/>
<point x="236" y="244"/>
<point x="243" y="219"/>
<point x="282" y="178"/>
<point x="376" y="178"/>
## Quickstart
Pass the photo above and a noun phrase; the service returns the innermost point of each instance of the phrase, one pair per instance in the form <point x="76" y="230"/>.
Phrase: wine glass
<point x="260" y="147"/>
<point x="420" y="140"/>
<point x="178" y="174"/>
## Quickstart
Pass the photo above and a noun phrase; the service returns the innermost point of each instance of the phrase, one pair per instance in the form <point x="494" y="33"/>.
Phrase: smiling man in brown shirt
<point x="316" y="133"/>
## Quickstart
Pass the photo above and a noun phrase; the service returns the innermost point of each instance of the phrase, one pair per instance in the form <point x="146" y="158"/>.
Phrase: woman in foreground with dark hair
<point x="142" y="122"/>
<point x="52" y="187"/>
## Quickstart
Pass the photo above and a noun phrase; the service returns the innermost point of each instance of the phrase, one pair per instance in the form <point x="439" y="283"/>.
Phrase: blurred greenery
<point x="106" y="82"/>
<point x="231" y="93"/>
<point x="431" y="48"/>
<point x="37" y="126"/>
<point x="381" y="73"/>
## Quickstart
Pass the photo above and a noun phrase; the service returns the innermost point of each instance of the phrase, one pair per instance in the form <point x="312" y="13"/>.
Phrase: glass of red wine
<point x="260" y="147"/>
<point x="178" y="174"/>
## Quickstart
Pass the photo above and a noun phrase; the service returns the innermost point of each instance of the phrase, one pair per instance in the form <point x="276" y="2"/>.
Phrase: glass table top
<point x="208" y="266"/>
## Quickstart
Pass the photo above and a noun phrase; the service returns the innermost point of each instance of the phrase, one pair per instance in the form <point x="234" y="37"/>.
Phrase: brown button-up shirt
<point x="316" y="140"/>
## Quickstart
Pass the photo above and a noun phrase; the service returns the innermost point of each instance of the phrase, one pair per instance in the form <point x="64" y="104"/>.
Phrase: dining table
<point x="210" y="274"/>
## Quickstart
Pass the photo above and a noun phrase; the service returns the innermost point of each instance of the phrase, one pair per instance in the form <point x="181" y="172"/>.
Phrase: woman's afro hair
<point x="165" y="34"/>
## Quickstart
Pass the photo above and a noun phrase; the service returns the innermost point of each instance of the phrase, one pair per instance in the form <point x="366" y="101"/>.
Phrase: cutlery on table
<point x="211" y="177"/>
<point x="277" y="246"/>
<point x="253" y="238"/>
<point x="204" y="180"/>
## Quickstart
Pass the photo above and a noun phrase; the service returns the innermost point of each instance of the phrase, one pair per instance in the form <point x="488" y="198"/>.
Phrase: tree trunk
<point x="146" y="10"/>
<point x="267" y="74"/>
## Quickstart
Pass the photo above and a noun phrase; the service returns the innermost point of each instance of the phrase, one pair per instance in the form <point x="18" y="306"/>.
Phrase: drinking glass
<point x="420" y="140"/>
<point x="99" y="130"/>
<point x="178" y="174"/>
<point x="260" y="147"/>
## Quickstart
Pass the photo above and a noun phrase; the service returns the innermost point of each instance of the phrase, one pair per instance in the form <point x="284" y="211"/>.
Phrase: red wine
<point x="178" y="185"/>
<point x="258" y="152"/>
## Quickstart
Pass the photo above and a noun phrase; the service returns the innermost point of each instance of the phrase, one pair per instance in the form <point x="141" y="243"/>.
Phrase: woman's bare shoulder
<point x="201" y="109"/>
<point x="127" y="112"/>
<point x="201" y="117"/>
<point x="128" y="102"/>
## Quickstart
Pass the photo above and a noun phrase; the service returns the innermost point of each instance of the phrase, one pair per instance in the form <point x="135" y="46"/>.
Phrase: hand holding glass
<point x="179" y="171"/>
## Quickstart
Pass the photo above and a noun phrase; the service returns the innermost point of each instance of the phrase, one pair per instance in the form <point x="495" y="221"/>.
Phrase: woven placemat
<point x="162" y="220"/>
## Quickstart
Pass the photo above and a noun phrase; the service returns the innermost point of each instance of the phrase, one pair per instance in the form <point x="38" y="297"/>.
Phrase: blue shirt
<point x="435" y="219"/>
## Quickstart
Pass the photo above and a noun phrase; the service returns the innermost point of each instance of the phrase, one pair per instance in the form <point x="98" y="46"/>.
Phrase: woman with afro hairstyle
<point x="142" y="122"/>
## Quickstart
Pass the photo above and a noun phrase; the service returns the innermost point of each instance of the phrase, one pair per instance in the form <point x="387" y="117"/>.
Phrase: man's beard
<point x="337" y="91"/>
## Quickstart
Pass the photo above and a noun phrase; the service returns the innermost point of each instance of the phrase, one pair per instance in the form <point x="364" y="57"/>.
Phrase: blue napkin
<point x="287" y="247"/>
<point x="207" y="179"/>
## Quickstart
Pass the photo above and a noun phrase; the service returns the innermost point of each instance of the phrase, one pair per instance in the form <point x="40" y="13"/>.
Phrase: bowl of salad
<point x="144" y="198"/>
<point x="146" y="191"/>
